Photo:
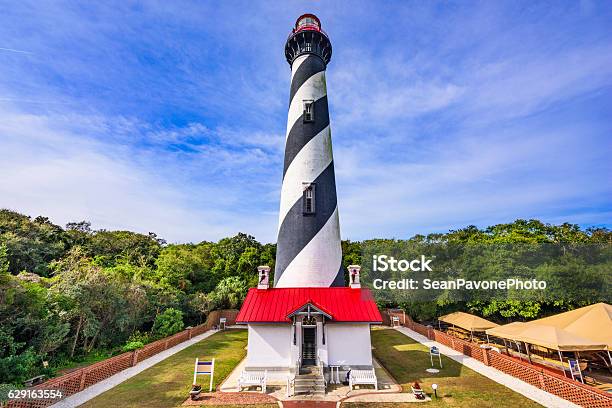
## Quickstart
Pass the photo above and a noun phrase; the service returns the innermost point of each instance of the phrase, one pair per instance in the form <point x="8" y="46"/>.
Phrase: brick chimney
<point x="354" y="270"/>
<point x="264" y="277"/>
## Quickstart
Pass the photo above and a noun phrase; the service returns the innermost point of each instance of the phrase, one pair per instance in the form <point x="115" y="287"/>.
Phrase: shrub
<point x="132" y="345"/>
<point x="141" y="337"/>
<point x="168" y="322"/>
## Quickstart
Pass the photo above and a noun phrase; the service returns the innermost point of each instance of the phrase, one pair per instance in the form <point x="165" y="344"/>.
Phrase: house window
<point x="309" y="111"/>
<point x="309" y="198"/>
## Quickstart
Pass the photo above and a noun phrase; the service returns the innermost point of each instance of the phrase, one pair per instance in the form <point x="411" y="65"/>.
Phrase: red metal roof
<point x="343" y="304"/>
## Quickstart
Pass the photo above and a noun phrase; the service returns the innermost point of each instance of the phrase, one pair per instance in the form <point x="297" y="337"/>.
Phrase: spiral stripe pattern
<point x="309" y="252"/>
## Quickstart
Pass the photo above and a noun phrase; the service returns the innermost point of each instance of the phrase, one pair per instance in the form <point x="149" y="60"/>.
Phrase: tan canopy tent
<point x="592" y="322"/>
<point x="507" y="331"/>
<point x="555" y="338"/>
<point x="468" y="321"/>
<point x="587" y="328"/>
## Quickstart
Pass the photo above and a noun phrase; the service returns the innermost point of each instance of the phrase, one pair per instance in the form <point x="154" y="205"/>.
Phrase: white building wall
<point x="348" y="344"/>
<point x="269" y="345"/>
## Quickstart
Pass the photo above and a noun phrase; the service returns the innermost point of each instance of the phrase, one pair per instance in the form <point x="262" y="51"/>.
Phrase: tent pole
<point x="561" y="359"/>
<point x="488" y="341"/>
<point x="610" y="357"/>
<point x="528" y="355"/>
<point x="519" y="350"/>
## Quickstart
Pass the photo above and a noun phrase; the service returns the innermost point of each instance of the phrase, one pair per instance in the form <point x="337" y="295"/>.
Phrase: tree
<point x="168" y="322"/>
<point x="31" y="245"/>
<point x="4" y="259"/>
<point x="108" y="247"/>
<point x="229" y="293"/>
<point x="15" y="365"/>
<point x="184" y="266"/>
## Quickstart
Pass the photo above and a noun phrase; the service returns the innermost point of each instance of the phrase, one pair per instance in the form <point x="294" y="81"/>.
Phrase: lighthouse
<point x="308" y="252"/>
<point x="310" y="325"/>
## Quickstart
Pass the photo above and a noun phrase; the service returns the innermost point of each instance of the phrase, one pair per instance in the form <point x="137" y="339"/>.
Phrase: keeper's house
<point x="290" y="328"/>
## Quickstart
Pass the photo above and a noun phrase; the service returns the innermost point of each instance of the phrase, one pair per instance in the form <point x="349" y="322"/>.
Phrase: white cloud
<point x="67" y="175"/>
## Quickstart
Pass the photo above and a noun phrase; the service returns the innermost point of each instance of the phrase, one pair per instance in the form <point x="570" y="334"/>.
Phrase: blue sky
<point x="170" y="116"/>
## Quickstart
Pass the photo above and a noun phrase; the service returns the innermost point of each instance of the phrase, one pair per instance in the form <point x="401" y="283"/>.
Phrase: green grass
<point x="67" y="365"/>
<point x="459" y="386"/>
<point x="167" y="383"/>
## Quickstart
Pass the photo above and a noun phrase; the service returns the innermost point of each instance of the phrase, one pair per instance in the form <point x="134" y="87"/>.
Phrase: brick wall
<point x="566" y="388"/>
<point x="78" y="380"/>
<point x="229" y="314"/>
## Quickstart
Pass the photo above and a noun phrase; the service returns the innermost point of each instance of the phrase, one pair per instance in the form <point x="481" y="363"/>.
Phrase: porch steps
<point x="310" y="381"/>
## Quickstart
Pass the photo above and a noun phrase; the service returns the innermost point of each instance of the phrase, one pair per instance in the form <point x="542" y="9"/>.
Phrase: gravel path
<point x="540" y="396"/>
<point x="91" y="392"/>
<point x="231" y="398"/>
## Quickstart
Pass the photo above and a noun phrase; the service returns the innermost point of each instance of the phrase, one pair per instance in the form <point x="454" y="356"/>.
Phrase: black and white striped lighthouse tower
<point x="308" y="247"/>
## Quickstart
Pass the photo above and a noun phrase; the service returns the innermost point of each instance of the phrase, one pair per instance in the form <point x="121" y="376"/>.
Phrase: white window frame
<point x="308" y="106"/>
<point x="309" y="187"/>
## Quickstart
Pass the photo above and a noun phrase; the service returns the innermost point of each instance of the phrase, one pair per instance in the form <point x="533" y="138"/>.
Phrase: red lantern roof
<point x="343" y="304"/>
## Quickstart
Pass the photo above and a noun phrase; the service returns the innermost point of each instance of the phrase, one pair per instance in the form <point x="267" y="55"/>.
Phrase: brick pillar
<point x="189" y="332"/>
<point x="430" y="335"/>
<point x="452" y="342"/>
<point x="83" y="376"/>
<point x="485" y="356"/>
<point x="166" y="345"/>
<point x="134" y="358"/>
<point x="542" y="383"/>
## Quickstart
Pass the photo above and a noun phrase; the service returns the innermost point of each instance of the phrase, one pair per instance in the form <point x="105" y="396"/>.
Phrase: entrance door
<point x="309" y="346"/>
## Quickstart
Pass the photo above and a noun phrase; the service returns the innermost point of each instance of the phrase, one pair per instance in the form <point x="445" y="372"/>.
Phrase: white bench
<point x="253" y="378"/>
<point x="363" y="377"/>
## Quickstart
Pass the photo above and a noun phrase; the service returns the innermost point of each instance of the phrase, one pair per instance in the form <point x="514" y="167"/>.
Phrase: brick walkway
<point x="309" y="404"/>
<point x="231" y="398"/>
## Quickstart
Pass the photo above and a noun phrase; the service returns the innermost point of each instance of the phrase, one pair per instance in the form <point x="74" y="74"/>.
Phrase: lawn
<point x="459" y="386"/>
<point x="167" y="383"/>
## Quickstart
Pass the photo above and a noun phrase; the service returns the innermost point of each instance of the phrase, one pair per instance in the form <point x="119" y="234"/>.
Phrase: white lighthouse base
<point x="278" y="348"/>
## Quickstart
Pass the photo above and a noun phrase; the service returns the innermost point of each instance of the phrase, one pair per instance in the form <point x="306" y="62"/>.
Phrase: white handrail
<point x="322" y="368"/>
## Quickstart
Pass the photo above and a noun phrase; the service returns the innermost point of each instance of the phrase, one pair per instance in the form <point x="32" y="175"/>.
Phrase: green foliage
<point x="139" y="337"/>
<point x="31" y="244"/>
<point x="4" y="259"/>
<point x="229" y="293"/>
<point x="75" y="295"/>
<point x="16" y="363"/>
<point x="575" y="263"/>
<point x="168" y="322"/>
<point x="132" y="345"/>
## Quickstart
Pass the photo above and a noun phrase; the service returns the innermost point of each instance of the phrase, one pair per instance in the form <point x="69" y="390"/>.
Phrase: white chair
<point x="363" y="377"/>
<point x="253" y="379"/>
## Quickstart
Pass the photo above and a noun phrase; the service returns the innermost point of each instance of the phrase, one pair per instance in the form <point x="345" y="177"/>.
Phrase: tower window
<point x="309" y="198"/>
<point x="309" y="111"/>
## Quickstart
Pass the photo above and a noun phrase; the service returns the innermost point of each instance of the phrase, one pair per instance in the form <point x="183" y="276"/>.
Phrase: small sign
<point x="204" y="368"/>
<point x="434" y="351"/>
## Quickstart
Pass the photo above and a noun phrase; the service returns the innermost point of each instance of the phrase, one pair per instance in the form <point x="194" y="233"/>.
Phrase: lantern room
<point x="307" y="37"/>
